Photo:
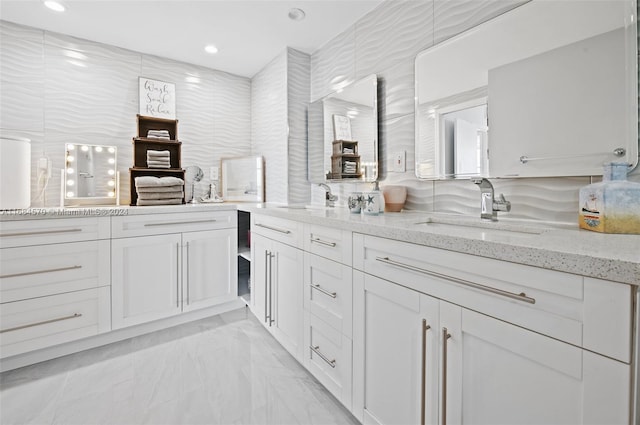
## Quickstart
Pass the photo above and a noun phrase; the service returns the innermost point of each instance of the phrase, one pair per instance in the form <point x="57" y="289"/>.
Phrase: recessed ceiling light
<point x="296" y="14"/>
<point x="54" y="5"/>
<point x="210" y="48"/>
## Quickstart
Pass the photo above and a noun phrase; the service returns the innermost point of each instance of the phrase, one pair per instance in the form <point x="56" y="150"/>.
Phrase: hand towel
<point x="160" y="195"/>
<point x="162" y="154"/>
<point x="159" y="189"/>
<point x="150" y="181"/>
<point x="172" y="201"/>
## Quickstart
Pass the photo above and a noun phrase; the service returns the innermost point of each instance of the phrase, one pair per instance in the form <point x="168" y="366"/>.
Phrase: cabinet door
<point x="286" y="297"/>
<point x="260" y="277"/>
<point x="494" y="372"/>
<point x="395" y="353"/>
<point x="209" y="268"/>
<point x="145" y="279"/>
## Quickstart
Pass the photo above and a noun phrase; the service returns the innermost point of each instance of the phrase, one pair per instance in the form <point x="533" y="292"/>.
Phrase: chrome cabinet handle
<point x="266" y="290"/>
<point x="271" y="314"/>
<point x="177" y="275"/>
<point x="40" y="232"/>
<point x="188" y="280"/>
<point x="423" y="408"/>
<point x="321" y="242"/>
<point x="445" y="337"/>
<point x="316" y="350"/>
<point x="324" y="291"/>
<point x="44" y="322"/>
<point x="286" y="232"/>
<point x="61" y="269"/>
<point x="171" y="223"/>
<point x="519" y="297"/>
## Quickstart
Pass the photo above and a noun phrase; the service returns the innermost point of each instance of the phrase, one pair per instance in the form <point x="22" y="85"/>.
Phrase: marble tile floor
<point x="225" y="369"/>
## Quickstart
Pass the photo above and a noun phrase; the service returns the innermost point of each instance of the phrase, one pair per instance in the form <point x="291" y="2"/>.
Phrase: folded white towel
<point x="158" y="132"/>
<point x="159" y="161"/>
<point x="150" y="181"/>
<point x="158" y="153"/>
<point x="163" y="164"/>
<point x="172" y="201"/>
<point x="161" y="195"/>
<point x="159" y="189"/>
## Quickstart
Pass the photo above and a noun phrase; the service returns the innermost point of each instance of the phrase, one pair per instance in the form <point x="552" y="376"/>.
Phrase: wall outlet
<point x="399" y="161"/>
<point x="214" y="173"/>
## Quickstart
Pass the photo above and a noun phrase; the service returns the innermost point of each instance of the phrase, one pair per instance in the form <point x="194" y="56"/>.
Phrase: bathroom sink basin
<point x="512" y="229"/>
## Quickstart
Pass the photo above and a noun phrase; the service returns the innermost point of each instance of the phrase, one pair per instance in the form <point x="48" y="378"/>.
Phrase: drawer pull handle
<point x="316" y="350"/>
<point x="445" y="337"/>
<point x="40" y="232"/>
<point x="61" y="269"/>
<point x="179" y="223"/>
<point x="423" y="384"/>
<point x="324" y="291"/>
<point x="325" y="243"/>
<point x="286" y="232"/>
<point x="44" y="322"/>
<point x="519" y="297"/>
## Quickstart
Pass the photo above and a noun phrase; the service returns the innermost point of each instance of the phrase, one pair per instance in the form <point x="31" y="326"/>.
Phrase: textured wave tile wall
<point x="392" y="33"/>
<point x="298" y="72"/>
<point x="269" y="125"/>
<point x="333" y="65"/>
<point x="58" y="89"/>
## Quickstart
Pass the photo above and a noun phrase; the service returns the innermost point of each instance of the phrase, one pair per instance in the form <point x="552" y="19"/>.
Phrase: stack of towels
<point x="159" y="190"/>
<point x="349" y="167"/>
<point x="158" y="159"/>
<point x="159" y="134"/>
<point x="348" y="150"/>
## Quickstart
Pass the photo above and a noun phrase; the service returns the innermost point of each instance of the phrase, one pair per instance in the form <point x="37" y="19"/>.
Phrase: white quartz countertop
<point x="561" y="247"/>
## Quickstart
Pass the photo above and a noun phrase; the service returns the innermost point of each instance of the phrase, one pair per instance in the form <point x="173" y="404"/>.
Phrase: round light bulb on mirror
<point x="111" y="183"/>
<point x="70" y="194"/>
<point x="98" y="148"/>
<point x="84" y="148"/>
<point x="112" y="161"/>
<point x="111" y="172"/>
<point x="71" y="147"/>
<point x="111" y="150"/>
<point x="70" y="171"/>
<point x="111" y="194"/>
<point x="70" y="182"/>
<point x="70" y="158"/>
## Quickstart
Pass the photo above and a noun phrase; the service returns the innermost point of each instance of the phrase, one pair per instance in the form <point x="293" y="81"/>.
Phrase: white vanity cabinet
<point x="54" y="282"/>
<point x="166" y="264"/>
<point x="276" y="279"/>
<point x="439" y="339"/>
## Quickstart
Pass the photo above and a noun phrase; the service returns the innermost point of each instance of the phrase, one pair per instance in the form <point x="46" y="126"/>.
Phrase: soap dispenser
<point x="612" y="205"/>
<point x="373" y="202"/>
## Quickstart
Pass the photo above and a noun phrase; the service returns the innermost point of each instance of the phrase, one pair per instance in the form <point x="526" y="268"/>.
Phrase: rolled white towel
<point x="150" y="181"/>
<point x="159" y="189"/>
<point x="172" y="201"/>
<point x="160" y="195"/>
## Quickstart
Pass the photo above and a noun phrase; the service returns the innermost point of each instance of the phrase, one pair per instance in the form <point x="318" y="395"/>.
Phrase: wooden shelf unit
<point x="338" y="159"/>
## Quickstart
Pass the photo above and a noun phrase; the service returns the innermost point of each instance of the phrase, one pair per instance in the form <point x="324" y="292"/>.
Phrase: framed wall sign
<point x="341" y="127"/>
<point x="157" y="98"/>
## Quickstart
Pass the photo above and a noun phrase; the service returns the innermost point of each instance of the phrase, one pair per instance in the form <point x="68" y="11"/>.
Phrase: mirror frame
<point x="90" y="200"/>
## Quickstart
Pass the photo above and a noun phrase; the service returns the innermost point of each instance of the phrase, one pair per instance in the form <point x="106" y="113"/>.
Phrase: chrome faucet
<point x="489" y="206"/>
<point x="330" y="198"/>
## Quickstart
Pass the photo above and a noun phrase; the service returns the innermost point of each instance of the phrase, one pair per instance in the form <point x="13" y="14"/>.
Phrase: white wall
<point x="57" y="89"/>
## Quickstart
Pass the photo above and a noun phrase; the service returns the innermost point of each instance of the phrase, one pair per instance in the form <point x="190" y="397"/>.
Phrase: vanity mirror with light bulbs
<point x="343" y="134"/>
<point x="90" y="175"/>
<point x="547" y="89"/>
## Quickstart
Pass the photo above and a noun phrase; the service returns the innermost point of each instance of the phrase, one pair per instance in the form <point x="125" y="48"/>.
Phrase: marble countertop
<point x="555" y="246"/>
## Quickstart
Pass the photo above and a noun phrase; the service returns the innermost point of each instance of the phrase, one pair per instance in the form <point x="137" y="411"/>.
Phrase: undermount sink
<point x="492" y="226"/>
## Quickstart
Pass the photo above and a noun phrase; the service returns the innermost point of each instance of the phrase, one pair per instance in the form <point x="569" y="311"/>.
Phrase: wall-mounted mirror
<point x="546" y="89"/>
<point x="343" y="134"/>
<point x="243" y="179"/>
<point x="91" y="176"/>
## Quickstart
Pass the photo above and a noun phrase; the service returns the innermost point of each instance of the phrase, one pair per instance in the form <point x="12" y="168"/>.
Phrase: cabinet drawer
<point x="48" y="231"/>
<point x="286" y="231"/>
<point x="42" y="322"/>
<point x="328" y="292"/>
<point x="328" y="356"/>
<point x="38" y="271"/>
<point x="158" y="224"/>
<point x="333" y="244"/>
<point x="557" y="304"/>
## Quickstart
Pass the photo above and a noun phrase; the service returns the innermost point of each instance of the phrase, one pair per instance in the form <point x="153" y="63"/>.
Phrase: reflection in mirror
<point x="243" y="179"/>
<point x="90" y="175"/>
<point x="343" y="134"/>
<point x="559" y="84"/>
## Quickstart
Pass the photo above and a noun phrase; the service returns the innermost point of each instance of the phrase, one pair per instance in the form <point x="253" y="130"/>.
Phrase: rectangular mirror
<point x="90" y="175"/>
<point x="243" y="179"/>
<point x="343" y="134"/>
<point x="546" y="89"/>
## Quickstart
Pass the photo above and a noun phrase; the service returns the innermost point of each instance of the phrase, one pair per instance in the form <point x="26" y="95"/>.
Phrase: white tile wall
<point x="58" y="89"/>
